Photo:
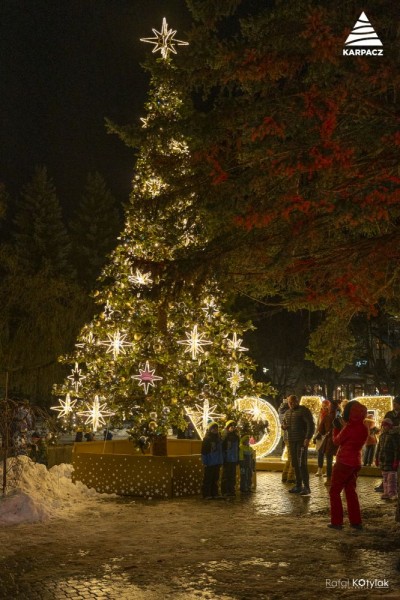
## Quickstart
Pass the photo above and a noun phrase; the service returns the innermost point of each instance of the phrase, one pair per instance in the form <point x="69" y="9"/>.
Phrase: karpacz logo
<point x="363" y="40"/>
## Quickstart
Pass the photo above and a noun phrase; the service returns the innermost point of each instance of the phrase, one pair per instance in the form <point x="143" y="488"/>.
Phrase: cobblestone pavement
<point x="195" y="549"/>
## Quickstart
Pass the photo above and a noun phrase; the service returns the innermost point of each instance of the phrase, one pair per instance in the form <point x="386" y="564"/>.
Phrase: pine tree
<point x="94" y="229"/>
<point x="161" y="346"/>
<point x="42" y="241"/>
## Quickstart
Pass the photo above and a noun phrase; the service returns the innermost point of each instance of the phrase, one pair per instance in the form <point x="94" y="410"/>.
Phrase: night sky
<point x="66" y="65"/>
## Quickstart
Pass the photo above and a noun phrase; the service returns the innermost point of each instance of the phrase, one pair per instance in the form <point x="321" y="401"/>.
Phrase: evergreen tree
<point x="161" y="345"/>
<point x="94" y="229"/>
<point x="42" y="243"/>
<point x="41" y="303"/>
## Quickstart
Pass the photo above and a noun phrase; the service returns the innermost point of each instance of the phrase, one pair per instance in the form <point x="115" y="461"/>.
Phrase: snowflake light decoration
<point x="140" y="278"/>
<point x="202" y="415"/>
<point x="234" y="344"/>
<point x="146" y="377"/>
<point x="76" y="377"/>
<point x="235" y="378"/>
<point x="194" y="342"/>
<point x="95" y="415"/>
<point x="164" y="40"/>
<point x="65" y="407"/>
<point x="116" y="343"/>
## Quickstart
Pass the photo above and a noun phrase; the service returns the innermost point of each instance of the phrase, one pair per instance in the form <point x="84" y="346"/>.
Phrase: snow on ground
<point x="40" y="494"/>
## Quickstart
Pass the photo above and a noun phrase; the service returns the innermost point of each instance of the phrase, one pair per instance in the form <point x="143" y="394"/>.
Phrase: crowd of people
<point x="346" y="436"/>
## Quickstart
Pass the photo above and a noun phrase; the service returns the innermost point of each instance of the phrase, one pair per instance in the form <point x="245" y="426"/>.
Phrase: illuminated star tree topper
<point x="164" y="40"/>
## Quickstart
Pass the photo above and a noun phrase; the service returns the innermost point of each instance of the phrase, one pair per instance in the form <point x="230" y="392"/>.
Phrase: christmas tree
<point x="161" y="349"/>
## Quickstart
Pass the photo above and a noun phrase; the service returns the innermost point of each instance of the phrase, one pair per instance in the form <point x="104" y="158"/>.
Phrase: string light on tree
<point x="95" y="415"/>
<point x="65" y="407"/>
<point x="234" y="344"/>
<point x="235" y="379"/>
<point x="195" y="342"/>
<point x="116" y="343"/>
<point x="146" y="377"/>
<point x="76" y="377"/>
<point x="164" y="40"/>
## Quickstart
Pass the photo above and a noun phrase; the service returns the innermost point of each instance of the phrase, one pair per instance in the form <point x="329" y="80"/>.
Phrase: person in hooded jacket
<point x="350" y="434"/>
<point x="212" y="459"/>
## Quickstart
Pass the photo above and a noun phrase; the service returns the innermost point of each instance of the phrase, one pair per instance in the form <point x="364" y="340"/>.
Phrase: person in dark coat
<point x="212" y="459"/>
<point x="328" y="448"/>
<point x="387" y="458"/>
<point x="299" y="424"/>
<point x="230" y="452"/>
<point x="350" y="435"/>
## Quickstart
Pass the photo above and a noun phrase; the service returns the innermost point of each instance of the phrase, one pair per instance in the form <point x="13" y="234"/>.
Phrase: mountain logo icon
<point x="363" y="40"/>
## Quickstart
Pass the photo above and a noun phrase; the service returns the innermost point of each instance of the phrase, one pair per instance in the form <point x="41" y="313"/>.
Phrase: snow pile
<point x="40" y="494"/>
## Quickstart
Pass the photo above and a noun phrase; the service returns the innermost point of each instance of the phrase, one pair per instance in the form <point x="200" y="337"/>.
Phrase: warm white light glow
<point x="264" y="410"/>
<point x="96" y="414"/>
<point x="140" y="278"/>
<point x="202" y="415"/>
<point x="76" y="377"/>
<point x="164" y="40"/>
<point x="194" y="342"/>
<point x="234" y="344"/>
<point x="116" y="344"/>
<point x="235" y="379"/>
<point x="65" y="407"/>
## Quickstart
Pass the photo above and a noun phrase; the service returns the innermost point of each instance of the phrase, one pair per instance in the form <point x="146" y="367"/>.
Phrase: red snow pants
<point x="344" y="477"/>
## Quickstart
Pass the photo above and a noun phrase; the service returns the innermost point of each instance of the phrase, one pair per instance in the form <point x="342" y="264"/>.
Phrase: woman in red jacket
<point x="350" y="434"/>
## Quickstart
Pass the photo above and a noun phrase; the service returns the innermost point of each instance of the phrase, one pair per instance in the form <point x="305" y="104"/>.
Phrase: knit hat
<point x="211" y="425"/>
<point x="229" y="423"/>
<point x="244" y="439"/>
<point x="387" y="422"/>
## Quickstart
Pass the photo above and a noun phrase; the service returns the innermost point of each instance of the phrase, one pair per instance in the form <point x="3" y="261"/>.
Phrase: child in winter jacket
<point x="211" y="455"/>
<point x="230" y="452"/>
<point x="247" y="464"/>
<point x="372" y="440"/>
<point x="387" y="458"/>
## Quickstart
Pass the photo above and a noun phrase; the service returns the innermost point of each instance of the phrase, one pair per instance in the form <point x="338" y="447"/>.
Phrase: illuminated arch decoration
<point x="259" y="408"/>
<point x="314" y="404"/>
<point x="379" y="404"/>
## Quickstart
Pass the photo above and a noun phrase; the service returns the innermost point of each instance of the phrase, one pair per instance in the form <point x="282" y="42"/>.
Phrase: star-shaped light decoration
<point x="234" y="344"/>
<point x="164" y="40"/>
<point x="87" y="340"/>
<point x="146" y="377"/>
<point x="256" y="409"/>
<point x="202" y="415"/>
<point x="108" y="311"/>
<point x="76" y="377"/>
<point x="210" y="309"/>
<point x="116" y="343"/>
<point x="65" y="407"/>
<point x="194" y="342"/>
<point x="96" y="413"/>
<point x="235" y="378"/>
<point x="140" y="278"/>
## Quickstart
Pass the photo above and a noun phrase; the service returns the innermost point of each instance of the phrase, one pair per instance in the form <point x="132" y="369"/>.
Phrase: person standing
<point x="288" y="471"/>
<point x="372" y="440"/>
<point x="299" y="424"/>
<point x="327" y="447"/>
<point x="230" y="451"/>
<point x="247" y="462"/>
<point x="211" y="455"/>
<point x="387" y="458"/>
<point x="325" y="409"/>
<point x="350" y="434"/>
